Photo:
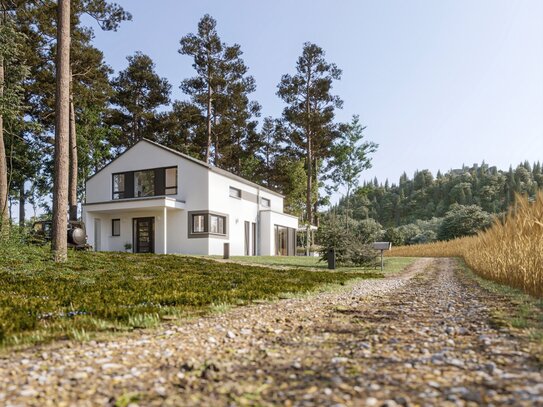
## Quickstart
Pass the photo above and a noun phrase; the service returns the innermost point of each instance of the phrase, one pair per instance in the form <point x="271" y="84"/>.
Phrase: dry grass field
<point x="510" y="252"/>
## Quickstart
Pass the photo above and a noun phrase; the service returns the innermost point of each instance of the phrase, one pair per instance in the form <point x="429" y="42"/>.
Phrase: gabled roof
<point x="194" y="160"/>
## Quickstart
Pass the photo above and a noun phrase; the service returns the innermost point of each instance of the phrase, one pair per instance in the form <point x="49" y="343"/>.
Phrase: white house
<point x="162" y="201"/>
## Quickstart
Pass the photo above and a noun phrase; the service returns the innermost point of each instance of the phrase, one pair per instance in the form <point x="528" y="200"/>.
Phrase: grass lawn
<point x="107" y="292"/>
<point x="392" y="264"/>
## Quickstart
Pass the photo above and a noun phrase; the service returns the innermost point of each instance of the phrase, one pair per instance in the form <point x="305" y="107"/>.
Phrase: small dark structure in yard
<point x="42" y="231"/>
<point x="331" y="259"/>
<point x="382" y="246"/>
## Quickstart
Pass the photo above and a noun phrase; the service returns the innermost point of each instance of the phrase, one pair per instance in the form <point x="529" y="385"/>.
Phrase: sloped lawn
<point x="92" y="292"/>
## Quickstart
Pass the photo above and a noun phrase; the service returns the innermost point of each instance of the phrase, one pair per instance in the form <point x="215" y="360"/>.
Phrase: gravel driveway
<point x="419" y="338"/>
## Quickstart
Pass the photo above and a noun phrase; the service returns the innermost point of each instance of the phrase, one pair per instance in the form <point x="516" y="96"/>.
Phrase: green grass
<point x="392" y="264"/>
<point x="109" y="292"/>
<point x="511" y="307"/>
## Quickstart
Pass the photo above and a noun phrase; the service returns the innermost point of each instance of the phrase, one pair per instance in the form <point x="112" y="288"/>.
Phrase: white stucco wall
<point x="201" y="189"/>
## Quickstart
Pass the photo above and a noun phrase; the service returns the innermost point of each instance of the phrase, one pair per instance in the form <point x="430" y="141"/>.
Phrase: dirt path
<point x="421" y="338"/>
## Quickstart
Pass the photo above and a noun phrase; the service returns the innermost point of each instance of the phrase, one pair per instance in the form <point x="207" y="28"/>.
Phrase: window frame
<point x="113" y="191"/>
<point x="113" y="221"/>
<point x="129" y="177"/>
<point x="166" y="186"/>
<point x="193" y="218"/>
<point x="268" y="200"/>
<point x="153" y="189"/>
<point x="207" y="216"/>
<point x="219" y="223"/>
<point x="238" y="192"/>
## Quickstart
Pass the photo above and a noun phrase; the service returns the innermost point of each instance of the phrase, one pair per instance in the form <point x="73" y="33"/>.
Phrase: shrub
<point x="349" y="248"/>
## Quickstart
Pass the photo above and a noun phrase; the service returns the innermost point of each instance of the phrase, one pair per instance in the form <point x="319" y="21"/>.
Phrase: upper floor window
<point x="171" y="181"/>
<point x="265" y="202"/>
<point x="235" y="192"/>
<point x="118" y="186"/>
<point x="144" y="183"/>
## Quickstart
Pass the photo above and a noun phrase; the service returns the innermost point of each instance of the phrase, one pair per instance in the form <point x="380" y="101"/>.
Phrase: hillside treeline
<point x="414" y="210"/>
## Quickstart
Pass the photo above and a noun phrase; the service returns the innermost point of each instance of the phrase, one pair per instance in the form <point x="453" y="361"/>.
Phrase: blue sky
<point x="437" y="83"/>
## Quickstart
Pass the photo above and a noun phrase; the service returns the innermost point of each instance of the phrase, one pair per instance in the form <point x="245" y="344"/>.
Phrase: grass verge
<point x="511" y="308"/>
<point x="109" y="292"/>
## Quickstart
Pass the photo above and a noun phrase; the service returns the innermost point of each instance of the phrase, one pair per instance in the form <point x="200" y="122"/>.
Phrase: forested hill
<point x="426" y="196"/>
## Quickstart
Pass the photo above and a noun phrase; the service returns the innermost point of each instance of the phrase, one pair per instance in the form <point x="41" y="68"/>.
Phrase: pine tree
<point x="139" y="92"/>
<point x="60" y="188"/>
<point x="310" y="114"/>
<point x="13" y="72"/>
<point x="220" y="90"/>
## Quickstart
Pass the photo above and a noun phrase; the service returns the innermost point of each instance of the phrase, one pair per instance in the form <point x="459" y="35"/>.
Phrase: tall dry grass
<point x="510" y="252"/>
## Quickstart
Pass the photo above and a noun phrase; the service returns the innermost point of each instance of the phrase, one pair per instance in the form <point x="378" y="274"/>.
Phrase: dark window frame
<point x="207" y="224"/>
<point x="154" y="180"/>
<point x="129" y="177"/>
<point x="268" y="200"/>
<point x="120" y="193"/>
<point x="113" y="221"/>
<point x="166" y="186"/>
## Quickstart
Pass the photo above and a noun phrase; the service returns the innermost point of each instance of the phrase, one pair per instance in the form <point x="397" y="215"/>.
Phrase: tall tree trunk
<point x="72" y="188"/>
<point x="208" y="120"/>
<point x="3" y="158"/>
<point x="62" y="130"/>
<point x="22" y="202"/>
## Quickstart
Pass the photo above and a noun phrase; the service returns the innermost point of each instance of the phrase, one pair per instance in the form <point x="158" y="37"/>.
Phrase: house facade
<point x="157" y="200"/>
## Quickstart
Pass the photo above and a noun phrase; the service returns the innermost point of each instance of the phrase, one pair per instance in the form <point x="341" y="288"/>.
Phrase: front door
<point x="144" y="233"/>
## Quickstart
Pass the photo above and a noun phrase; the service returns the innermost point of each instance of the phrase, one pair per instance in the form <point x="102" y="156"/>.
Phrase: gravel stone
<point x="379" y="342"/>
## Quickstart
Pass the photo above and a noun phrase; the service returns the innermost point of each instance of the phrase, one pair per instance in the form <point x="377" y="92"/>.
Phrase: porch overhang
<point x="135" y="204"/>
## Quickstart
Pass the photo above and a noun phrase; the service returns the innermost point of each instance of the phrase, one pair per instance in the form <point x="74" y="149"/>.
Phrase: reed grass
<point x="509" y="252"/>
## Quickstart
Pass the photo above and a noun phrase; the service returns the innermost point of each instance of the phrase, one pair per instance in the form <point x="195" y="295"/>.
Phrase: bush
<point x="349" y="248"/>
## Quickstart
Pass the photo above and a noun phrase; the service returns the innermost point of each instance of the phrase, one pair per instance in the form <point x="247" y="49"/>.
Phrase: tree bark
<point x="72" y="189"/>
<point x="208" y="119"/>
<point x="22" y="201"/>
<point x="3" y="160"/>
<point x="62" y="129"/>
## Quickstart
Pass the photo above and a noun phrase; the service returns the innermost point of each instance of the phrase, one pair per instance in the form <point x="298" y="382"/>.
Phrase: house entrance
<point x="144" y="235"/>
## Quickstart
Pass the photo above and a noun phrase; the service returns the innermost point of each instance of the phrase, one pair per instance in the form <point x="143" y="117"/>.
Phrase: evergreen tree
<point x="60" y="187"/>
<point x="13" y="72"/>
<point x="220" y="91"/>
<point x="139" y="92"/>
<point x="310" y="114"/>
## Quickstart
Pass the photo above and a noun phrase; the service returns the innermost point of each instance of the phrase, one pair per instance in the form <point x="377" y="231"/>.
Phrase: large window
<point x="203" y="224"/>
<point x="118" y="186"/>
<point x="144" y="183"/>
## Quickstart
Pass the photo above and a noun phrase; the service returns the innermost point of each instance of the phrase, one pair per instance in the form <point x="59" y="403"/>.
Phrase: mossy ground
<point x="107" y="292"/>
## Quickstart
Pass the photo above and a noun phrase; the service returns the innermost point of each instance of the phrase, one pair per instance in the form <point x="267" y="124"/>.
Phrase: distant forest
<point x="426" y="196"/>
